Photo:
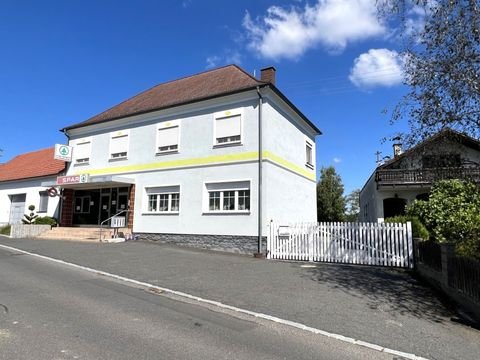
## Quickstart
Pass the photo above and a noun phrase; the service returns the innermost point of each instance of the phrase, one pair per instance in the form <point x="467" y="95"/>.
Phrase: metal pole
<point x="260" y="160"/>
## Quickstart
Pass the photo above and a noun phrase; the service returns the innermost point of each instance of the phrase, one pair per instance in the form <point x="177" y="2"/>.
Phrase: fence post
<point x="447" y="252"/>
<point x="310" y="242"/>
<point x="269" y="240"/>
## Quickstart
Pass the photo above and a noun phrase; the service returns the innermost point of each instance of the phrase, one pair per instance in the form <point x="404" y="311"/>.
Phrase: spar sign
<point x="72" y="179"/>
<point x="63" y="152"/>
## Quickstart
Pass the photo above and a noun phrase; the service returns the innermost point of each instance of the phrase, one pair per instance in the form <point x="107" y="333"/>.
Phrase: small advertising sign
<point x="63" y="152"/>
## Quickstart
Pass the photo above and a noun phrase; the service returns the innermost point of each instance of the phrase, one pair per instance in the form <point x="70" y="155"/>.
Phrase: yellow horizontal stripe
<point x="209" y="160"/>
<point x="288" y="165"/>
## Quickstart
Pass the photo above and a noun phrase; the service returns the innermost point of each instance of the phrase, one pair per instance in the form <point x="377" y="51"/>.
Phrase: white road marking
<point x="227" y="307"/>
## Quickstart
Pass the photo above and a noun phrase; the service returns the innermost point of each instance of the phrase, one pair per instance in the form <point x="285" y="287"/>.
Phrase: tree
<point x="442" y="66"/>
<point x="352" y="202"/>
<point x="452" y="214"/>
<point x="330" y="200"/>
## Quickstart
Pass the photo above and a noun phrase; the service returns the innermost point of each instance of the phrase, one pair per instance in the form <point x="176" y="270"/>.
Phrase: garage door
<point x="17" y="208"/>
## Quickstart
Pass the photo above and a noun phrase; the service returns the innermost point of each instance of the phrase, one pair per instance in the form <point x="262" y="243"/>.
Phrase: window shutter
<point x="119" y="144"/>
<point x="82" y="150"/>
<point x="227" y="126"/>
<point x="167" y="136"/>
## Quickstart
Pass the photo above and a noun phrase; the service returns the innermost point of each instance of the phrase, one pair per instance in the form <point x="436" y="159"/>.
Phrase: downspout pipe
<point x="260" y="175"/>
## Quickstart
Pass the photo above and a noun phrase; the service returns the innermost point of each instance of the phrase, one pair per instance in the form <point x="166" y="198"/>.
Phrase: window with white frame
<point x="163" y="199"/>
<point x="168" y="137"/>
<point x="43" y="205"/>
<point x="228" y="128"/>
<point x="81" y="151"/>
<point x="308" y="154"/>
<point x="119" y="145"/>
<point x="228" y="197"/>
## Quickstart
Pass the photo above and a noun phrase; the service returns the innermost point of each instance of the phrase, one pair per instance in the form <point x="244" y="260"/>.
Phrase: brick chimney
<point x="397" y="147"/>
<point x="268" y="74"/>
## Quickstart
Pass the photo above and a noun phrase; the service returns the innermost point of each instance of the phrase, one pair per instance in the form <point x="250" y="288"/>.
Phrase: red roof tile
<point x="30" y="165"/>
<point x="209" y="84"/>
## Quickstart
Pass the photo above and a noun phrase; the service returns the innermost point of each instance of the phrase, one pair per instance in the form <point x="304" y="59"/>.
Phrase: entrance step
<point x="79" y="234"/>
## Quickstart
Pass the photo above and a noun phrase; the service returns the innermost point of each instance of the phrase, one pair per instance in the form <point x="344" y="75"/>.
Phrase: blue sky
<point x="64" y="61"/>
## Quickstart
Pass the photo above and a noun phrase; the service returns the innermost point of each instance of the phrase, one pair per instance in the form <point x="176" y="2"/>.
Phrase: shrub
<point x="46" y="220"/>
<point x="418" y="229"/>
<point x="30" y="218"/>
<point x="452" y="214"/>
<point x="5" y="230"/>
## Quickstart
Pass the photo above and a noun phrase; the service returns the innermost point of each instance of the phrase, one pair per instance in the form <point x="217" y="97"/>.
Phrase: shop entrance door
<point x="104" y="207"/>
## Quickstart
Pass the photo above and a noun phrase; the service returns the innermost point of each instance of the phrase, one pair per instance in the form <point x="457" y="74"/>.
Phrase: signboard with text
<point x="63" y="152"/>
<point x="72" y="179"/>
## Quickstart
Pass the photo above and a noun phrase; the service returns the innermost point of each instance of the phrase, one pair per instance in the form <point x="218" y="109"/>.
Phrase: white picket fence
<point x="381" y="244"/>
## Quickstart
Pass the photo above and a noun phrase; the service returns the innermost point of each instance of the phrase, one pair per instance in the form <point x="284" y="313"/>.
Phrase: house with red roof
<point x="206" y="160"/>
<point x="21" y="185"/>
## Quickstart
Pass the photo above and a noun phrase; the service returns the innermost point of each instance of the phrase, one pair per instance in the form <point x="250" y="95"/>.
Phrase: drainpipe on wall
<point x="259" y="253"/>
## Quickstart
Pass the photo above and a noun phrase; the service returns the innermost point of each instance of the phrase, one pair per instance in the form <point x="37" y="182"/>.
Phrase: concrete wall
<point x="235" y="244"/>
<point x="32" y="189"/>
<point x="27" y="231"/>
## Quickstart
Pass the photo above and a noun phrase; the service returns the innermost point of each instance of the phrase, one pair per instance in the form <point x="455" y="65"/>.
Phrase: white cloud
<point x="289" y="33"/>
<point x="377" y="67"/>
<point x="212" y="61"/>
<point x="337" y="160"/>
<point x="227" y="57"/>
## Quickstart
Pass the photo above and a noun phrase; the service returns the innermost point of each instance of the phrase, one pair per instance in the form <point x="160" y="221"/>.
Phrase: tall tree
<point x="330" y="200"/>
<point x="352" y="202"/>
<point x="442" y="65"/>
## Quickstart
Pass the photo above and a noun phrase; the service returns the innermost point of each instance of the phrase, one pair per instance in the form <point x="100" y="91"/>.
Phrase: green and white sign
<point x="63" y="152"/>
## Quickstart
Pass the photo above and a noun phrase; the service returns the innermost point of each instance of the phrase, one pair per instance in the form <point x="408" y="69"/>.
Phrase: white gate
<point x="381" y="244"/>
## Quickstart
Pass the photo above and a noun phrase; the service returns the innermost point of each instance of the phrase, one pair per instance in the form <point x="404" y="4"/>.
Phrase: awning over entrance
<point x="97" y="182"/>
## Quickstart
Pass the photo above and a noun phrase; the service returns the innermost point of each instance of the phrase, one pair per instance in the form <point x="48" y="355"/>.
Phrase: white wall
<point x="32" y="190"/>
<point x="289" y="197"/>
<point x="196" y="135"/>
<point x="192" y="219"/>
<point x="284" y="135"/>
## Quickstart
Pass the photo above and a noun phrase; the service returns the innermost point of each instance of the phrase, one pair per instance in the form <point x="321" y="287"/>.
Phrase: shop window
<point x="82" y="204"/>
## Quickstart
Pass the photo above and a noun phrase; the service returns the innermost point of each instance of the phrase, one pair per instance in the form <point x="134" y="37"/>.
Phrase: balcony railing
<point x="425" y="176"/>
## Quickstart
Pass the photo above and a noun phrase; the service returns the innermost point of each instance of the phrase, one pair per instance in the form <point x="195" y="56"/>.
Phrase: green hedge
<point x="418" y="229"/>
<point x="5" y="230"/>
<point x="46" y="220"/>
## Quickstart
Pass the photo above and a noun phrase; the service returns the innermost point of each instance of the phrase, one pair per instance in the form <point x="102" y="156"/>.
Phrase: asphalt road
<point x="51" y="311"/>
<point x="383" y="306"/>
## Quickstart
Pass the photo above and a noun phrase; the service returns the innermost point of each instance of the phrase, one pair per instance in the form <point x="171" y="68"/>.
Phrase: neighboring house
<point x="410" y="175"/>
<point x="20" y="185"/>
<point x="184" y="157"/>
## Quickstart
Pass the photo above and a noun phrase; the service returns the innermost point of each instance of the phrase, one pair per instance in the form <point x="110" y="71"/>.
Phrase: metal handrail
<point x="104" y="221"/>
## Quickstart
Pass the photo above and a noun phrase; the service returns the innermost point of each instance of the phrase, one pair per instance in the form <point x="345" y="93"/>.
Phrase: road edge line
<point x="271" y="318"/>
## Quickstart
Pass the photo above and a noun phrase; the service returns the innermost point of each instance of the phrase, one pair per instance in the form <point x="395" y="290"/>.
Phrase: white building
<point x="410" y="174"/>
<point x="21" y="185"/>
<point x="207" y="159"/>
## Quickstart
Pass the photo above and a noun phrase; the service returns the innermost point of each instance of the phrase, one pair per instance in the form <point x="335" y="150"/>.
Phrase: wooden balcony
<point x="406" y="177"/>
